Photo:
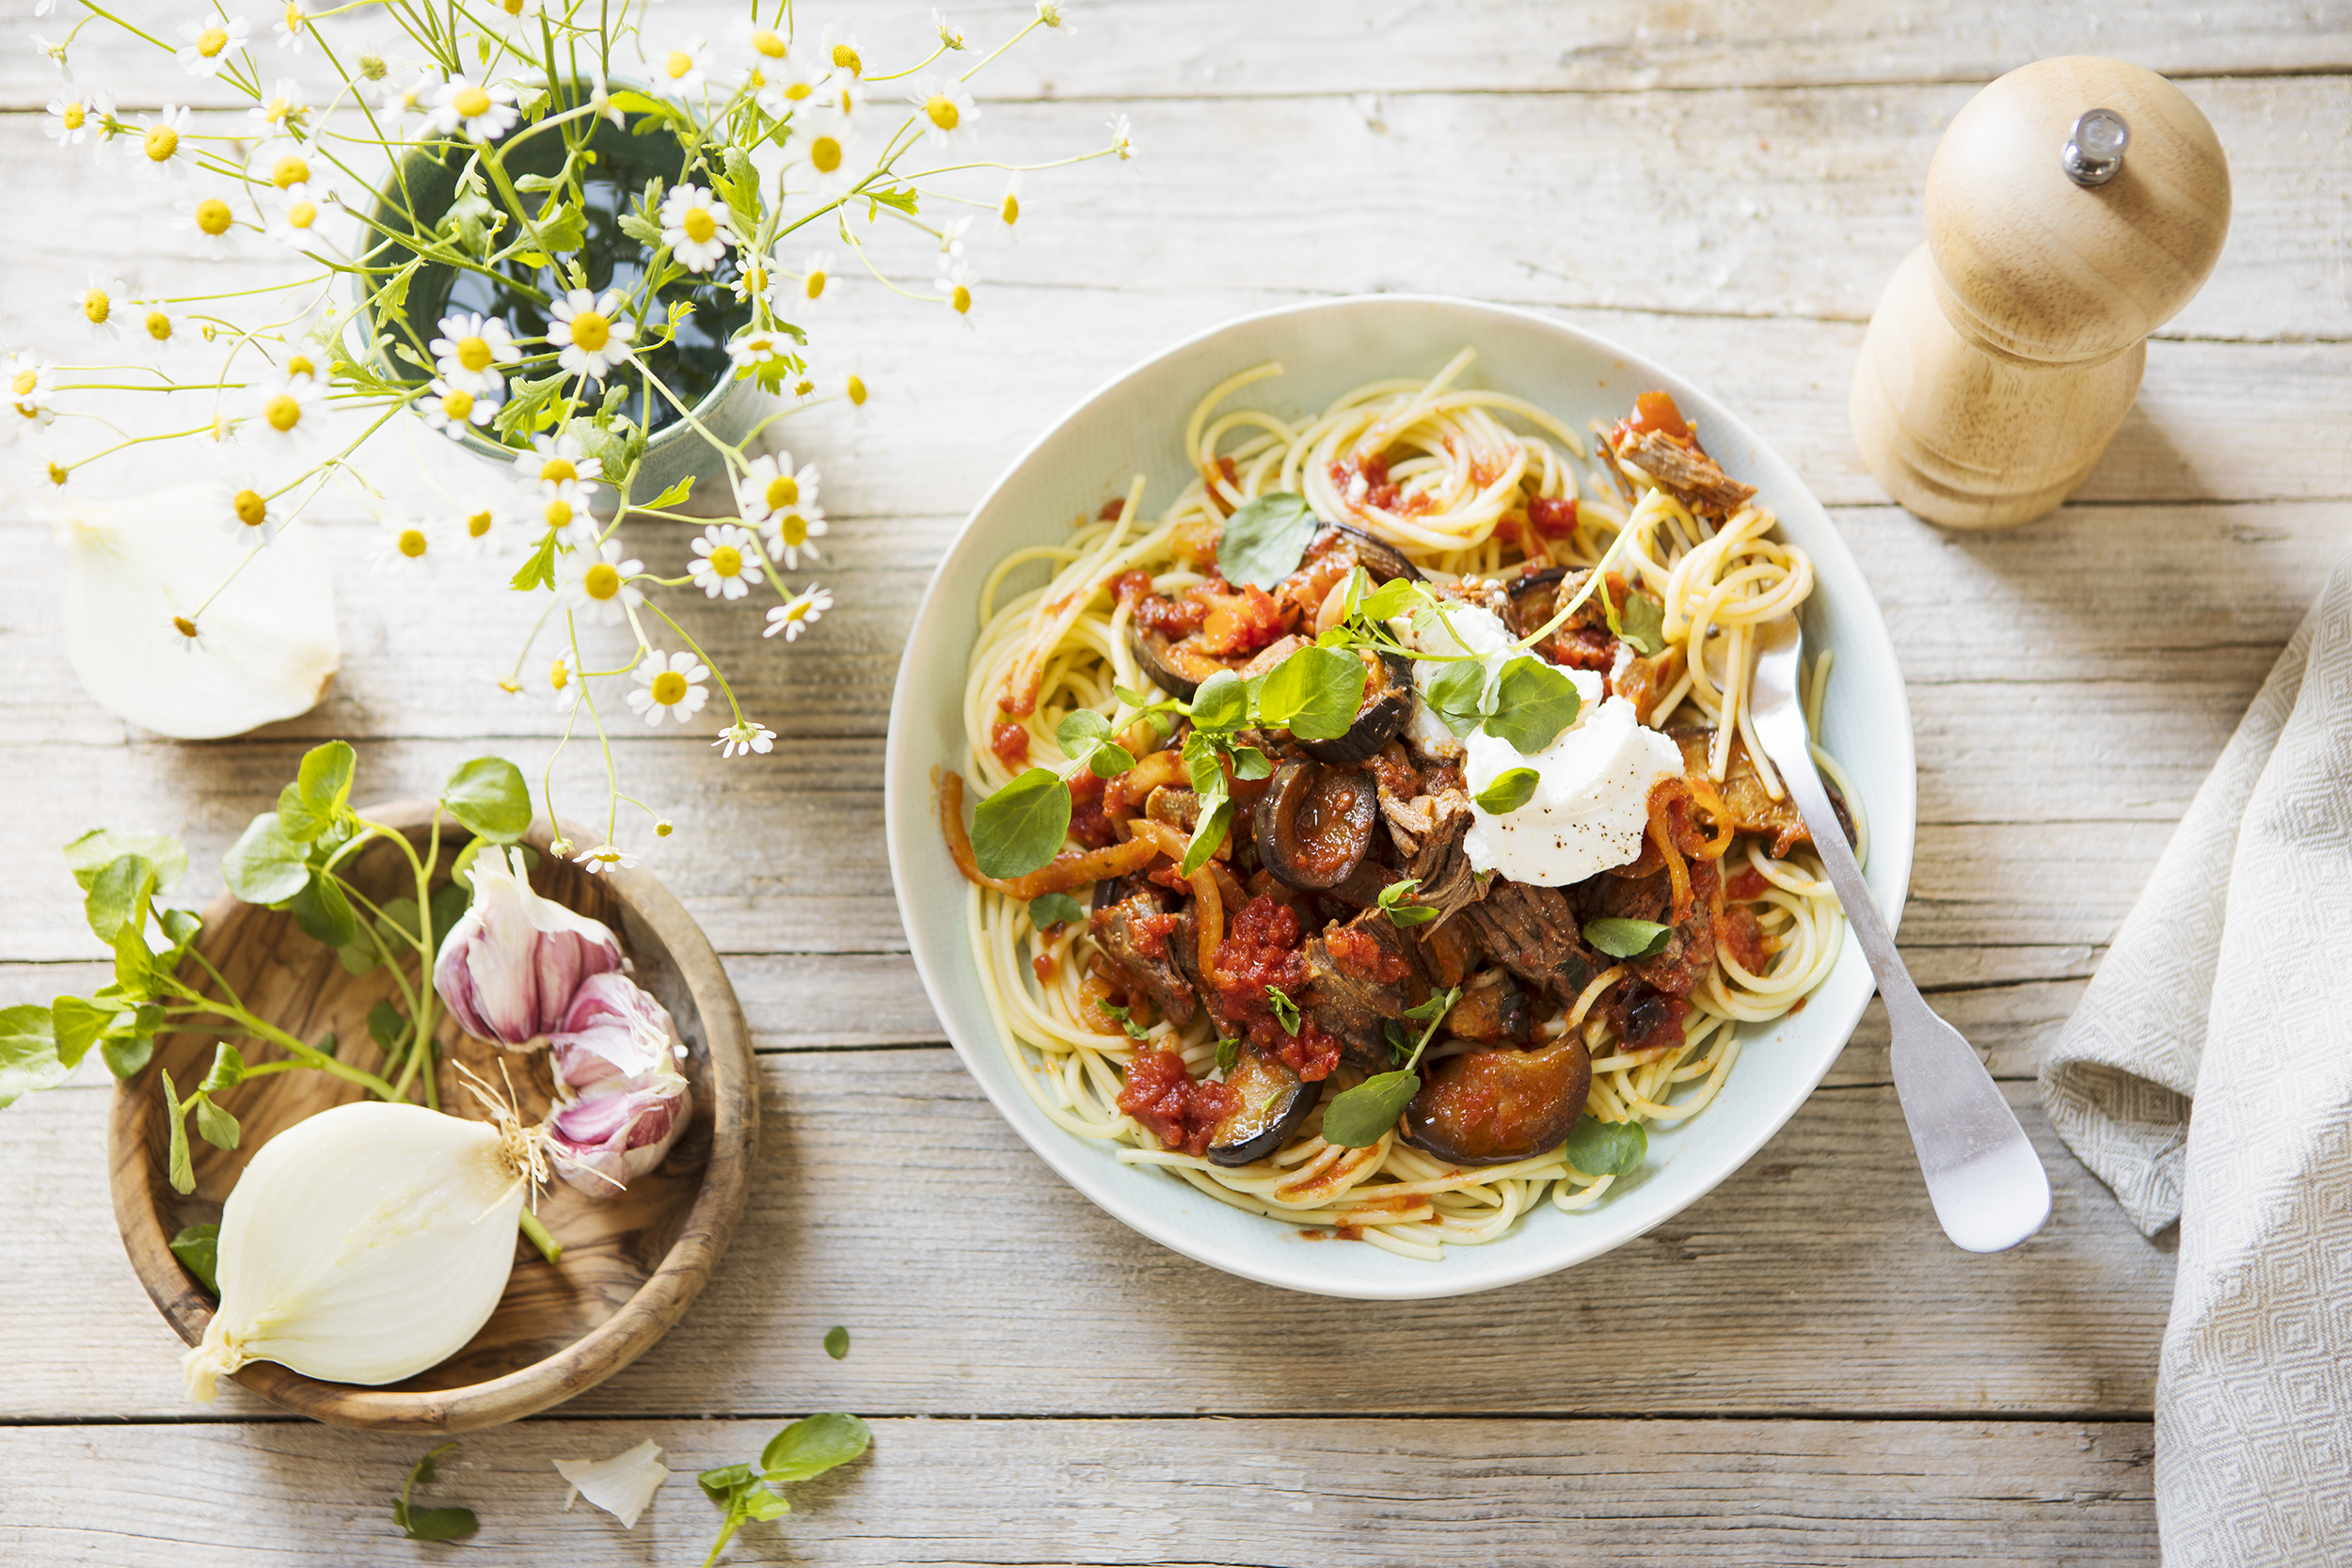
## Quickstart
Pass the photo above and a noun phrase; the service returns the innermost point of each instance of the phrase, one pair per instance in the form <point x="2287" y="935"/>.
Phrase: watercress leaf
<point x="182" y="1168"/>
<point x="1313" y="693"/>
<point x="1054" y="909"/>
<point x="1643" y="625"/>
<point x="1021" y="827"/>
<point x="489" y="796"/>
<point x="447" y="907"/>
<point x="1203" y="768"/>
<point x="180" y="926"/>
<point x="1228" y="1052"/>
<point x="1435" y="1007"/>
<point x="124" y="1056"/>
<point x="135" y="965"/>
<point x="1534" y="702"/>
<point x="419" y="1523"/>
<point x="227" y="1068"/>
<point x="264" y="866"/>
<point x="1207" y="834"/>
<point x="813" y="1444"/>
<point x="322" y="912"/>
<point x="1250" y="763"/>
<point x="1108" y="761"/>
<point x="1457" y="696"/>
<point x="1400" y="1044"/>
<point x="1286" y="1010"/>
<point x="100" y="848"/>
<point x="763" y="1505"/>
<point x="1396" y="902"/>
<point x="219" y="1127"/>
<point x="358" y="957"/>
<point x="386" y="1026"/>
<point x="1126" y="1017"/>
<point x="29" y="1059"/>
<point x="1512" y="789"/>
<point x="1222" y="702"/>
<point x="836" y="1341"/>
<point x="1606" y="1148"/>
<point x="324" y="779"/>
<point x="1081" y="731"/>
<point x="397" y="919"/>
<point x="1388" y="601"/>
<point x="118" y="895"/>
<point x="1628" y="939"/>
<point x="1262" y="541"/>
<point x="197" y="1247"/>
<point x="1363" y="1116"/>
<point x="719" y="1483"/>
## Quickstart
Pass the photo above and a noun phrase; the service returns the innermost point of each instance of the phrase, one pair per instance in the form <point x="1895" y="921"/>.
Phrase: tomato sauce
<point x="1260" y="950"/>
<point x="1236" y="621"/>
<point x="1090" y="824"/>
<point x="1554" y="519"/>
<point x="1010" y="741"/>
<point x="1745" y="885"/>
<point x="1362" y="954"/>
<point x="1181" y="1111"/>
<point x="1381" y="492"/>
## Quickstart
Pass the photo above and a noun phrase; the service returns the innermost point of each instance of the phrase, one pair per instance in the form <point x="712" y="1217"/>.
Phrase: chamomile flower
<point x="950" y="37"/>
<point x="1049" y="12"/>
<point x="840" y="50"/>
<point x="604" y="857"/>
<point x="845" y="96"/>
<point x="26" y="398"/>
<point x="517" y="12"/>
<point x="1009" y="209"/>
<point x="827" y="154"/>
<point x="681" y="71"/>
<point x="295" y="224"/>
<point x="157" y="324"/>
<point x="755" y="347"/>
<point x="742" y="738"/>
<point x="159" y="142"/>
<point x="815" y="278"/>
<point x="208" y="218"/>
<point x="951" y="239"/>
<point x="954" y="284"/>
<point x="485" y="527"/>
<point x="247" y="510"/>
<point x="671" y="685"/>
<point x="284" y="113"/>
<point x="293" y="27"/>
<point x="54" y="51"/>
<point x="564" y="506"/>
<point x="99" y="304"/>
<point x="763" y="43"/>
<point x="725" y="566"/>
<point x="600" y="99"/>
<point x="801" y="612"/>
<point x="1123" y="139"/>
<point x="945" y="112"/>
<point x="590" y="332"/>
<point x="398" y="100"/>
<point x="470" y="351"/>
<point x="453" y="410"/>
<point x="770" y="485"/>
<point x="751" y="276"/>
<point x="556" y="460"/>
<point x="697" y="228"/>
<point x="596" y="583"/>
<point x="564" y="684"/>
<point x="73" y="116"/>
<point x="789" y="531"/>
<point x="281" y="162"/>
<point x="281" y="414"/>
<point x="483" y="111"/>
<point x="408" y="546"/>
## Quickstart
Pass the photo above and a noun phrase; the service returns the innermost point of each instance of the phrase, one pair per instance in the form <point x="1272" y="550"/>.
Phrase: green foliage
<point x="1362" y="1117"/>
<point x="1054" y="909"/>
<point x="1264" y="540"/>
<point x="1396" y="902"/>
<point x="836" y="1342"/>
<point x="1607" y="1147"/>
<point x="1459" y="696"/>
<point x="489" y="796"/>
<point x="1511" y="789"/>
<point x="806" y="1449"/>
<point x="1628" y="939"/>
<point x="265" y="865"/>
<point x="197" y="1247"/>
<point x="102" y="846"/>
<point x="1313" y="693"/>
<point x="1085" y="739"/>
<point x="1020" y="828"/>
<point x="419" y="1523"/>
<point x="1533" y="701"/>
<point x="1643" y="624"/>
<point x="29" y="1058"/>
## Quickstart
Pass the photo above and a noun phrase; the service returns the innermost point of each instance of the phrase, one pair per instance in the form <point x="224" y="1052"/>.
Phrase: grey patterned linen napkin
<point x="2231" y="985"/>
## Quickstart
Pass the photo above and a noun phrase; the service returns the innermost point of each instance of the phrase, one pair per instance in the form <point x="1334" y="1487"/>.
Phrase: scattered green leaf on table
<point x="431" y="1524"/>
<point x="836" y="1342"/>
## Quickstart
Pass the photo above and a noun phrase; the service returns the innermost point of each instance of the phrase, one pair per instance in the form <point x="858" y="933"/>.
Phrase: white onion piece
<point x="621" y="1485"/>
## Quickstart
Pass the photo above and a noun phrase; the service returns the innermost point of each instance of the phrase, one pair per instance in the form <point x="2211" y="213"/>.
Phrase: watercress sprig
<point x="1362" y="1117"/>
<point x="806" y="1449"/>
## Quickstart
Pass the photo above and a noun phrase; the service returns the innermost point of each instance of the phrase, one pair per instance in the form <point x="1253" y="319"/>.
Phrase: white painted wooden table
<point x="1723" y="187"/>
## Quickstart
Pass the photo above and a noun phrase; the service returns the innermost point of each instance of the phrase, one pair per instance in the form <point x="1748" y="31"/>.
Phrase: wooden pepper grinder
<point x="2073" y="207"/>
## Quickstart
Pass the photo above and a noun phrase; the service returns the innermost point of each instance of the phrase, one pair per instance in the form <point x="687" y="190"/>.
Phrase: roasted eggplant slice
<point x="1493" y="1106"/>
<point x="1315" y="823"/>
<point x="1381" y="560"/>
<point x="1493" y="1008"/>
<point x="1172" y="666"/>
<point x="1387" y="707"/>
<point x="1270" y="1104"/>
<point x="1534" y="599"/>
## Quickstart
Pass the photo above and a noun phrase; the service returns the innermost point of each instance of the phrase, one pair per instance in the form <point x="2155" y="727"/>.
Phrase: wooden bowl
<point x="632" y="1263"/>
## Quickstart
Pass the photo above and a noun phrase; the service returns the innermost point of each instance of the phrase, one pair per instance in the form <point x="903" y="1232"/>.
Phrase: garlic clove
<point x="621" y="1485"/>
<point x="265" y="647"/>
<point x="612" y="1032"/>
<point x="512" y="964"/>
<point x="605" y="1141"/>
<point x="364" y="1245"/>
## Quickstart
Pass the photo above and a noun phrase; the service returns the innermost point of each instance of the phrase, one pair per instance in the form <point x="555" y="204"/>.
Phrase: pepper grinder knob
<point x="2073" y="207"/>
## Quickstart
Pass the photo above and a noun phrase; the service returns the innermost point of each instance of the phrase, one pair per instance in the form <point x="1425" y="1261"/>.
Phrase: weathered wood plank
<point x="886" y="1175"/>
<point x="1318" y="1493"/>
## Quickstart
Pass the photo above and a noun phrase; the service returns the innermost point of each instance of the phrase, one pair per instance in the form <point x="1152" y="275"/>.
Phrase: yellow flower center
<point x="783" y="491"/>
<point x="824" y="154"/>
<point x="558" y="674"/>
<point x="815" y="283"/>
<point x="726" y="561"/>
<point x="184" y="627"/>
<point x="24" y="383"/>
<point x="559" y="514"/>
<point x="458" y="405"/>
<point x="294" y="18"/>
<point x="412" y="542"/>
<point x="555" y="470"/>
<point x="591" y="332"/>
<point x="768" y="43"/>
<point x="300" y="365"/>
<point x="794" y="529"/>
<point x="678" y="64"/>
<point x="302" y="214"/>
<point x="289" y="171"/>
<point x="473" y="353"/>
<point x="960" y="299"/>
<point x="277" y="108"/>
<point x="162" y="142"/>
<point x="252" y="511"/>
<point x="212" y="215"/>
<point x="283" y="412"/>
<point x="802" y="387"/>
<point x="58" y="474"/>
<point x="477" y="525"/>
<point x="856" y="391"/>
<point x="601" y="580"/>
<point x="470" y="101"/>
<point x="96" y="306"/>
<point x="661" y="829"/>
<point x="74" y="117"/>
<point x="846" y="57"/>
<point x="211" y="42"/>
<point x="669" y="688"/>
<point x="1009" y="210"/>
<point x="798" y="91"/>
<point x="942" y="110"/>
<point x="513" y="8"/>
<point x="159" y="327"/>
<point x="699" y="225"/>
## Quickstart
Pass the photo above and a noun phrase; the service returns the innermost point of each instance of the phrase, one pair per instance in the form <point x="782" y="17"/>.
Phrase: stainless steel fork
<point x="1989" y="1188"/>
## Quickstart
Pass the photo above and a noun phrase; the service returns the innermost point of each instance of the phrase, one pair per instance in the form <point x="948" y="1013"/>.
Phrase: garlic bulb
<point x="605" y="1141"/>
<point x="512" y="964"/>
<point x="265" y="649"/>
<point x="621" y="1485"/>
<point x="612" y="1031"/>
<point x="364" y="1245"/>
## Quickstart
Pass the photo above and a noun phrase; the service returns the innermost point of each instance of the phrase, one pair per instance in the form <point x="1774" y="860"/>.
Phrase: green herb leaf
<point x="227" y="1068"/>
<point x="1084" y="736"/>
<point x="489" y="796"/>
<point x="431" y="1524"/>
<point x="119" y="895"/>
<point x="1396" y="902"/>
<point x="1223" y="702"/>
<point x="124" y="1056"/>
<point x="1389" y="600"/>
<point x="1606" y="1148"/>
<point x="76" y="1025"/>
<point x="565" y="229"/>
<point x="1126" y="1021"/>
<point x="1207" y="834"/>
<point x="1534" y="702"/>
<point x="446" y="907"/>
<point x="813" y="1445"/>
<point x="1435" y="1006"/>
<point x="320" y="790"/>
<point x="135" y="965"/>
<point x="219" y="1127"/>
<point x="538" y="568"/>
<point x="264" y="866"/>
<point x="1228" y="1052"/>
<point x="100" y="848"/>
<point x="1643" y="625"/>
<point x="1021" y="827"/>
<point x="1512" y="789"/>
<point x="1054" y="909"/>
<point x="1363" y="1116"/>
<point x="1250" y="763"/>
<point x="322" y="912"/>
<point x="1263" y="541"/>
<point x="641" y="231"/>
<point x="836" y="1341"/>
<point x="673" y="495"/>
<point x="1457" y="695"/>
<point x="28" y="1052"/>
<point x="1313" y="693"/>
<point x="757" y="1502"/>
<point x="386" y="1026"/>
<point x="1286" y="1010"/>
<point x="182" y="1168"/>
<point x="724" y="1479"/>
<point x="1628" y="939"/>
<point x="197" y="1247"/>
